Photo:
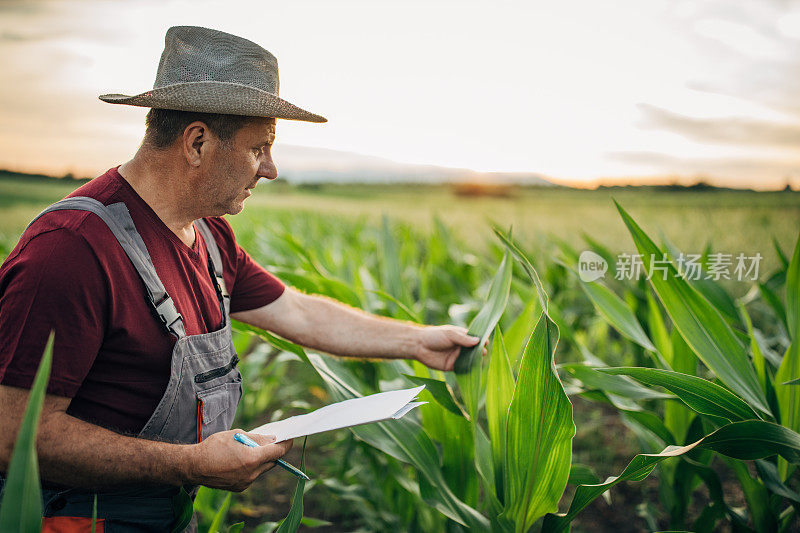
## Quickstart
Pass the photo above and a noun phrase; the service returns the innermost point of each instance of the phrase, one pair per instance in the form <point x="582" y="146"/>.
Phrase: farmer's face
<point x="236" y="166"/>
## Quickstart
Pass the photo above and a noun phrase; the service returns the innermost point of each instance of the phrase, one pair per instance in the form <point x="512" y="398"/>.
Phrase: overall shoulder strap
<point x="215" y="264"/>
<point x="119" y="221"/>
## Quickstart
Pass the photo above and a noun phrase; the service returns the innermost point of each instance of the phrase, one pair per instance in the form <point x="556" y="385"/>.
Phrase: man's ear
<point x="195" y="142"/>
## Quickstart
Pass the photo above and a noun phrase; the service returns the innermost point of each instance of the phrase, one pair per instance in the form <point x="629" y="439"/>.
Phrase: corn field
<point x="701" y="378"/>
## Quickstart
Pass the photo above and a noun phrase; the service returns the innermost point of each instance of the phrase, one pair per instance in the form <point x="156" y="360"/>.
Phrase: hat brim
<point x="216" y="97"/>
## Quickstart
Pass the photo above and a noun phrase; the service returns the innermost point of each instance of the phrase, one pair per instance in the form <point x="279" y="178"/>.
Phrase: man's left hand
<point x="439" y="346"/>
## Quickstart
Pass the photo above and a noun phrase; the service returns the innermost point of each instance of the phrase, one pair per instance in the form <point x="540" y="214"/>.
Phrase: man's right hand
<point x="223" y="463"/>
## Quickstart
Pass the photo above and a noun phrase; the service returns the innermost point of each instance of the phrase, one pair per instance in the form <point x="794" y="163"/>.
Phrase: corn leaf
<point x="703" y="396"/>
<point x="774" y="302"/>
<point x="527" y="266"/>
<point x="788" y="395"/>
<point x="676" y="416"/>
<point x="619" y="315"/>
<point x="485" y="467"/>
<point x="499" y="393"/>
<point x="760" y="363"/>
<point x="580" y="474"/>
<point x="793" y="293"/>
<point x="658" y="329"/>
<point x="539" y="433"/>
<point x="611" y="384"/>
<point x="291" y="523"/>
<point x="700" y="324"/>
<point x="746" y="440"/>
<point x="404" y="440"/>
<point x="439" y="391"/>
<point x="516" y="337"/>
<point x="391" y="269"/>
<point x="21" y="509"/>
<point x="220" y="515"/>
<point x="467" y="367"/>
<point x="709" y="288"/>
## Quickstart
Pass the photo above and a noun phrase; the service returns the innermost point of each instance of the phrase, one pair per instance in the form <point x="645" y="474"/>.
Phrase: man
<point x="139" y="277"/>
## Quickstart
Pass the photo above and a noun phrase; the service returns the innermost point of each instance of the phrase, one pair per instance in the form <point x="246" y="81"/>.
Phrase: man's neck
<point x="165" y="189"/>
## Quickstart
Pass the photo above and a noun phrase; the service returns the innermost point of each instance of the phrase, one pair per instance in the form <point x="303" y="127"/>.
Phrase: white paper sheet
<point x="373" y="408"/>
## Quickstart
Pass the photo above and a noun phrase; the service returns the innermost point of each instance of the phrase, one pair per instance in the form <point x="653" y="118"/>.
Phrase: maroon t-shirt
<point x="112" y="356"/>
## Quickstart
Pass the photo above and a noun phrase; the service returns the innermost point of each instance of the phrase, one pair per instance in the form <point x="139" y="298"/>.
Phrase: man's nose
<point x="266" y="167"/>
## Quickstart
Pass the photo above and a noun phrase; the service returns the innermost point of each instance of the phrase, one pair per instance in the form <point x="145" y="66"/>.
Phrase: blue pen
<point x="247" y="441"/>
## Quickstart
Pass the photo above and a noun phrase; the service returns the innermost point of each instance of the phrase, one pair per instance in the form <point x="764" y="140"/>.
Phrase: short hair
<point x="166" y="125"/>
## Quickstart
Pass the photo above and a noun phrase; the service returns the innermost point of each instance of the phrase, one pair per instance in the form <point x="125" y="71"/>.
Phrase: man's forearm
<point x="336" y="328"/>
<point x="76" y="453"/>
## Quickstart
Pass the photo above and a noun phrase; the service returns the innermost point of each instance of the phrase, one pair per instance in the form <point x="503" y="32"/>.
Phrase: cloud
<point x="733" y="130"/>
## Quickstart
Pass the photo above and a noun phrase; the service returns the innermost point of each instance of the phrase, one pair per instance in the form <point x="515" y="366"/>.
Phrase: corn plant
<point x="21" y="504"/>
<point x="744" y="409"/>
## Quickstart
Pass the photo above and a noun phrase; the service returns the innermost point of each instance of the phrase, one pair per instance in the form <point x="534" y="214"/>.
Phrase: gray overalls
<point x="201" y="397"/>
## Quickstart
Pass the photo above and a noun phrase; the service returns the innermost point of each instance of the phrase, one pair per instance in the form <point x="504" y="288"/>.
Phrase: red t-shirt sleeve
<point x="252" y="286"/>
<point x="52" y="282"/>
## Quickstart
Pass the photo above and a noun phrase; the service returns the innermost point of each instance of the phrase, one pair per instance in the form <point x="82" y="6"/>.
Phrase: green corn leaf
<point x="658" y="329"/>
<point x="779" y="252"/>
<point x="793" y="293"/>
<point x="539" y="433"/>
<point x="499" y="392"/>
<point x="94" y="513"/>
<point x="291" y="523"/>
<point x="409" y="314"/>
<point x="676" y="416"/>
<point x="760" y="363"/>
<point x="768" y="473"/>
<point x="602" y="251"/>
<point x="219" y="517"/>
<point x="653" y="424"/>
<point x="788" y="395"/>
<point x="756" y="496"/>
<point x="527" y="266"/>
<point x="747" y="440"/>
<point x="21" y="508"/>
<point x="467" y="367"/>
<point x="440" y="391"/>
<point x="774" y="302"/>
<point x="485" y="467"/>
<point x="404" y="440"/>
<point x="520" y="331"/>
<point x="580" y="474"/>
<point x="700" y="324"/>
<point x="391" y="269"/>
<point x="611" y="384"/>
<point x="619" y="315"/>
<point x="709" y="288"/>
<point x="703" y="396"/>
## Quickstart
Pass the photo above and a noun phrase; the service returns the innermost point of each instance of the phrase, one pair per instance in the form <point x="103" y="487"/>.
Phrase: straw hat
<point x="210" y="71"/>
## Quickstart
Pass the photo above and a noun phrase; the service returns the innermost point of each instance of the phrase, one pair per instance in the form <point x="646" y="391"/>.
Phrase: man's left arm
<point x="333" y="327"/>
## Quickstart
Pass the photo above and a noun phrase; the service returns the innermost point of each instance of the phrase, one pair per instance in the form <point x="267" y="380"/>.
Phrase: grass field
<point x="734" y="221"/>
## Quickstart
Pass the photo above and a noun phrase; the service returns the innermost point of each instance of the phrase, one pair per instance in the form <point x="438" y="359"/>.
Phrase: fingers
<point x="261" y="439"/>
<point x="270" y="452"/>
<point x="462" y="337"/>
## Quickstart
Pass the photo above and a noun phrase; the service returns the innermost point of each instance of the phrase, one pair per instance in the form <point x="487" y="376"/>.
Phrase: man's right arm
<point x="79" y="454"/>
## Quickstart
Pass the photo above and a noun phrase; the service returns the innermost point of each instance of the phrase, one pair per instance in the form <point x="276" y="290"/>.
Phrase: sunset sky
<point x="579" y="91"/>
